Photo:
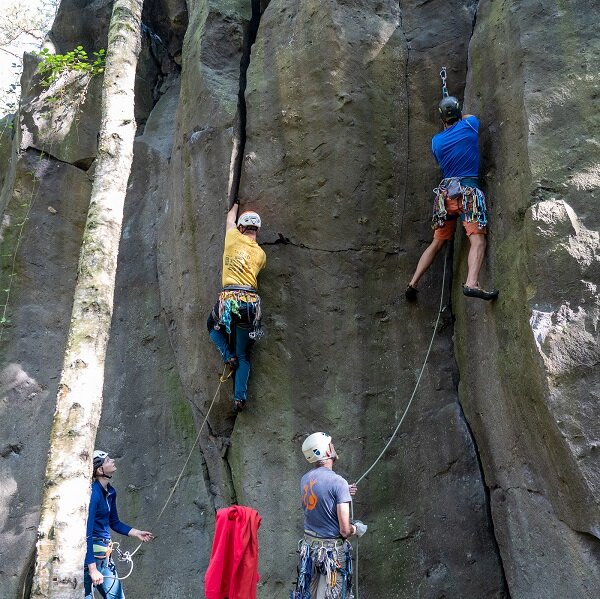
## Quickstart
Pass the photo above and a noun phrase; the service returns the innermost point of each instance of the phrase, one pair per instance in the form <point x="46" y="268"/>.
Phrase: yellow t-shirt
<point x="243" y="259"/>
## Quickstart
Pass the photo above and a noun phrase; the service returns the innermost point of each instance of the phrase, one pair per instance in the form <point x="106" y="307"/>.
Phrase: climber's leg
<point x="477" y="243"/>
<point x="243" y="345"/>
<point x="219" y="337"/>
<point x="440" y="236"/>
<point x="428" y="256"/>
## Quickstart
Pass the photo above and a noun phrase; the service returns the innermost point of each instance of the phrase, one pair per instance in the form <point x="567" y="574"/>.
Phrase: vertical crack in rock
<point x="488" y="502"/>
<point x="486" y="488"/>
<point x="408" y="140"/>
<point x="224" y="486"/>
<point x="239" y="141"/>
<point x="473" y="23"/>
<point x="207" y="481"/>
<point x="230" y="481"/>
<point x="237" y="155"/>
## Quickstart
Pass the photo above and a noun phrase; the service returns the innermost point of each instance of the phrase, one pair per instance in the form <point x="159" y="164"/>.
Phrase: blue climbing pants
<point x="237" y="344"/>
<point x="111" y="587"/>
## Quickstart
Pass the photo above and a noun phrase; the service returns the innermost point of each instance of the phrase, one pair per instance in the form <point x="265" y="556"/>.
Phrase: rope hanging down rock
<point x="440" y="310"/>
<point x="127" y="556"/>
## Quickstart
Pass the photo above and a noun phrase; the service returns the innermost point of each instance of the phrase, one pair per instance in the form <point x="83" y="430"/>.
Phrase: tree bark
<point x="61" y="534"/>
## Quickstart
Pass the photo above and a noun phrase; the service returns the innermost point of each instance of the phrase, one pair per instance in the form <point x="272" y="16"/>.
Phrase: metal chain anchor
<point x="443" y="76"/>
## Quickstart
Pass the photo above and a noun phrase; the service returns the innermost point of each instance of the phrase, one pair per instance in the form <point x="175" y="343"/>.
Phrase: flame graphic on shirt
<point x="310" y="501"/>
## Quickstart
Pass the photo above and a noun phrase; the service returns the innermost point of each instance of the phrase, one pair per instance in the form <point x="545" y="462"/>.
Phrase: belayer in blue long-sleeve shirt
<point x="99" y="569"/>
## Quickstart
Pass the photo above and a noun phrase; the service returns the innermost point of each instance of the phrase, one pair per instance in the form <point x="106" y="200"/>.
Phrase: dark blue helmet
<point x="450" y="109"/>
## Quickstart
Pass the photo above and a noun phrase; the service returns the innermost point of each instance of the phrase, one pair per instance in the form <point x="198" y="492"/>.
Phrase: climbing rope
<point x="35" y="188"/>
<point x="443" y="76"/>
<point x="127" y="556"/>
<point x="222" y="379"/>
<point x="440" y="310"/>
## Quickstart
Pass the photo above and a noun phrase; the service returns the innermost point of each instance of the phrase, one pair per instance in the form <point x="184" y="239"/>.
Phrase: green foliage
<point x="77" y="60"/>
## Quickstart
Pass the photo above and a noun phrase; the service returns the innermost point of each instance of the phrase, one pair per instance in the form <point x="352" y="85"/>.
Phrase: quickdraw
<point x="472" y="204"/>
<point x="230" y="306"/>
<point x="323" y="560"/>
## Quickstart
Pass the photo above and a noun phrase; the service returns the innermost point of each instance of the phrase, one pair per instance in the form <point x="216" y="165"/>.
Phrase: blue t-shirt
<point x="101" y="515"/>
<point x="457" y="148"/>
<point x="321" y="490"/>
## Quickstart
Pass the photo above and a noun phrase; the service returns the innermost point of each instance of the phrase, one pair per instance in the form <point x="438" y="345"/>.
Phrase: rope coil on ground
<point x="440" y="310"/>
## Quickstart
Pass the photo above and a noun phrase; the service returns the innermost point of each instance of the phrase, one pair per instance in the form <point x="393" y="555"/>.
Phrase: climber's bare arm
<point x="232" y="216"/>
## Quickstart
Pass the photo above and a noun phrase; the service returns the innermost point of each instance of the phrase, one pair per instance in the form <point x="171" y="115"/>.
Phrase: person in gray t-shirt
<point x="322" y="490"/>
<point x="325" y="553"/>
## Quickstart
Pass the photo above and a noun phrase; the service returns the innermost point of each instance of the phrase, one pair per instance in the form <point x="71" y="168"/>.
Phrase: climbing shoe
<point x="238" y="406"/>
<point x="480" y="293"/>
<point x="411" y="293"/>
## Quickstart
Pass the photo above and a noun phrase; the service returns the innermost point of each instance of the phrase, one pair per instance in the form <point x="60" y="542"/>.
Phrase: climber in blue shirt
<point x="458" y="195"/>
<point x="99" y="569"/>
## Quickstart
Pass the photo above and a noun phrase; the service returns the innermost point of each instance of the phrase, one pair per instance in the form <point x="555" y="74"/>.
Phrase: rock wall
<point x="331" y="173"/>
<point x="146" y="421"/>
<point x="321" y="114"/>
<point x="41" y="279"/>
<point x="529" y="363"/>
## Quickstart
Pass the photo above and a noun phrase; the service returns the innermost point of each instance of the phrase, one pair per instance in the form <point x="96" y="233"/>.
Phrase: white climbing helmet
<point x="99" y="457"/>
<point x="315" y="447"/>
<point x="249" y="219"/>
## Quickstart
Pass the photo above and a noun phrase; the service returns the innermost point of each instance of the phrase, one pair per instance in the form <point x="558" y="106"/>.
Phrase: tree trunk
<point x="61" y="535"/>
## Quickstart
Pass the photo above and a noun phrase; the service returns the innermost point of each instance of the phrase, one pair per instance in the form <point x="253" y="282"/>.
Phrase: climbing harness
<point x="228" y="304"/>
<point x="127" y="556"/>
<point x="104" y="550"/>
<point x="443" y="76"/>
<point x="471" y="203"/>
<point x="383" y="451"/>
<point x="320" y="556"/>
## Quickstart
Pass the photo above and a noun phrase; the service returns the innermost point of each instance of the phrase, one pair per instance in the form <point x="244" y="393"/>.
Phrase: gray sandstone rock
<point x="330" y="142"/>
<point x="529" y="376"/>
<point x="41" y="287"/>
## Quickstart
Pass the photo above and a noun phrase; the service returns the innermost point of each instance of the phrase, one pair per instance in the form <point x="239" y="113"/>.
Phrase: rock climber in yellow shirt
<point x="234" y="322"/>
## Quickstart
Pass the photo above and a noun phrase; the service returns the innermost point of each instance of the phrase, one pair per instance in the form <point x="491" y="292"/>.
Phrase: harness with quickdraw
<point x="228" y="305"/>
<point x="471" y="203"/>
<point x="103" y="549"/>
<point x="321" y="559"/>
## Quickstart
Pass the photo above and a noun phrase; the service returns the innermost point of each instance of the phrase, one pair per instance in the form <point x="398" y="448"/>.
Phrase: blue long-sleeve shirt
<point x="102" y="515"/>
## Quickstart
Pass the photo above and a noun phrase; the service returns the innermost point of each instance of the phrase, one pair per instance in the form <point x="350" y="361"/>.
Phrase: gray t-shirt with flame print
<point x="321" y="490"/>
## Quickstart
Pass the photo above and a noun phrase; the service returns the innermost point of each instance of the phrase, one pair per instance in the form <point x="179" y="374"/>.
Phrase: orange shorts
<point x="447" y="231"/>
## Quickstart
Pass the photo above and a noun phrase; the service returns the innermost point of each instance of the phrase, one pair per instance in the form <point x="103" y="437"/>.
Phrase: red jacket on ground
<point x="233" y="568"/>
